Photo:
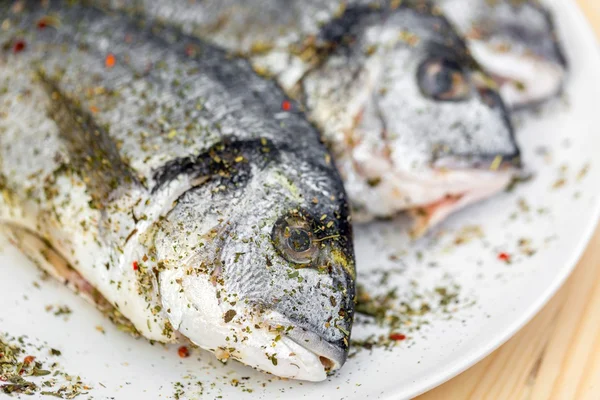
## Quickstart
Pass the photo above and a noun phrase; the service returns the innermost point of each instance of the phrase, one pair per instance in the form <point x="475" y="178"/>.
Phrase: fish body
<point x="516" y="42"/>
<point x="167" y="176"/>
<point x="413" y="122"/>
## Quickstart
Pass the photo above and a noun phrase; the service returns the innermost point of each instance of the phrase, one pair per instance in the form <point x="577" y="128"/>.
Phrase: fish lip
<point x="331" y="355"/>
<point x="482" y="185"/>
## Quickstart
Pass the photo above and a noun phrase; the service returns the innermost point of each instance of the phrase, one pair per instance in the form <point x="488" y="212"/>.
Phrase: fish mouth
<point x="452" y="183"/>
<point x="431" y="214"/>
<point x="331" y="355"/>
<point x="488" y="176"/>
<point x="524" y="79"/>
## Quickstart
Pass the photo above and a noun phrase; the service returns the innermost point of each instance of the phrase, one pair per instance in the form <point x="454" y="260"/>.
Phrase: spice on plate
<point x="504" y="257"/>
<point x="183" y="352"/>
<point x="24" y="373"/>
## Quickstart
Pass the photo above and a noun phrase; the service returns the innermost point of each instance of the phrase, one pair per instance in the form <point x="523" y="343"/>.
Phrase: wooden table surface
<point x="555" y="356"/>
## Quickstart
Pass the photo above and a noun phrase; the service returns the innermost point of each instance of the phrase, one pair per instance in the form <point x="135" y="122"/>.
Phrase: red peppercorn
<point x="504" y="257"/>
<point x="19" y="46"/>
<point x="183" y="352"/>
<point x="397" y="336"/>
<point x="135" y="266"/>
<point x="286" y="105"/>
<point x="110" y="60"/>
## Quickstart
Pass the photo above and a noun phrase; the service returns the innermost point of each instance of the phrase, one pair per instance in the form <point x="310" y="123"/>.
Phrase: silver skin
<point x="167" y="176"/>
<point x="355" y="69"/>
<point x="516" y="42"/>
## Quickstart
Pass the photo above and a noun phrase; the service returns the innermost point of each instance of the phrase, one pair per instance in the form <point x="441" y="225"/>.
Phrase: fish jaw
<point x="331" y="355"/>
<point x="430" y="195"/>
<point x="254" y="338"/>
<point x="432" y="214"/>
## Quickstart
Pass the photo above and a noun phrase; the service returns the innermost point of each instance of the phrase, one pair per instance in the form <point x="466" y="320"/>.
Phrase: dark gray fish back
<point x="171" y="94"/>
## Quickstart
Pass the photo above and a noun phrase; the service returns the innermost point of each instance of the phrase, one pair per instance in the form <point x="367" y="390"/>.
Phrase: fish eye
<point x="443" y="80"/>
<point x="293" y="238"/>
<point x="298" y="240"/>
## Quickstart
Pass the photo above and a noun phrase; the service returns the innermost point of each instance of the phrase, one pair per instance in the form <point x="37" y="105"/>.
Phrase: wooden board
<point x="555" y="356"/>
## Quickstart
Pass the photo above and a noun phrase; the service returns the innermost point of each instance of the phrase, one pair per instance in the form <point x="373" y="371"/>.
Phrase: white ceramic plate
<point x="553" y="215"/>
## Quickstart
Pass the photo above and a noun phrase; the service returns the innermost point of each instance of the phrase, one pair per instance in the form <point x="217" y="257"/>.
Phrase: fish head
<point x="411" y="118"/>
<point x="516" y="42"/>
<point x="259" y="261"/>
